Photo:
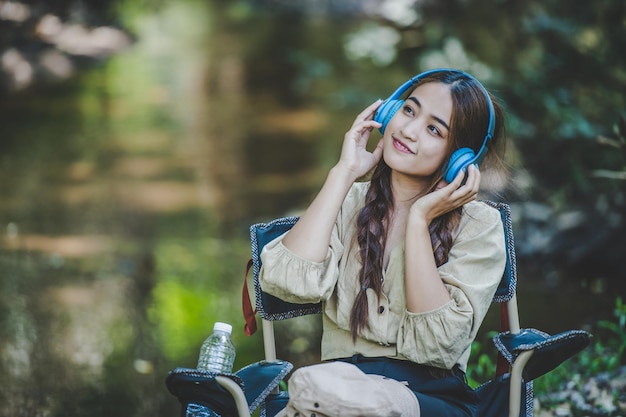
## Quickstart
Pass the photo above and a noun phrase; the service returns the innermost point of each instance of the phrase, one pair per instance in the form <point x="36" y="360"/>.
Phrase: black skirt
<point x="440" y="392"/>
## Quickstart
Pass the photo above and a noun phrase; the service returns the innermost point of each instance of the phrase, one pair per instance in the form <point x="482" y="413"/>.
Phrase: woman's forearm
<point x="425" y="290"/>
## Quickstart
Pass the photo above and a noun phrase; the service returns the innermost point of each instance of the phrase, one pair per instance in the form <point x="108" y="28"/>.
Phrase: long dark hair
<point x="468" y="127"/>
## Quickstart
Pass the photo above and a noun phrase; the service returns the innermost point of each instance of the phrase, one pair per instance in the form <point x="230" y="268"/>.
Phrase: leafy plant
<point x="482" y="366"/>
<point x="618" y="329"/>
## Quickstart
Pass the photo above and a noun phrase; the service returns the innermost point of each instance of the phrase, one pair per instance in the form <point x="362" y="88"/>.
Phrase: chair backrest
<point x="508" y="283"/>
<point x="269" y="307"/>
<point x="523" y="354"/>
<point x="272" y="308"/>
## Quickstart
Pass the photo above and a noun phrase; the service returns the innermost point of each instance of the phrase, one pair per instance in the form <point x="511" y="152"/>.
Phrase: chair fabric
<point x="274" y="403"/>
<point x="270" y="307"/>
<point x="257" y="380"/>
<point x="508" y="284"/>
<point x="261" y="379"/>
<point x="494" y="398"/>
<point x="192" y="386"/>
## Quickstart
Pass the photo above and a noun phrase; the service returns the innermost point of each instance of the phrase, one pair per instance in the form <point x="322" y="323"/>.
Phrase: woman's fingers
<point x="360" y="132"/>
<point x="369" y="111"/>
<point x="459" y="192"/>
<point x="465" y="192"/>
<point x="451" y="196"/>
<point x="364" y="124"/>
<point x="377" y="153"/>
<point x="354" y="154"/>
<point x="473" y="178"/>
<point x="472" y="182"/>
<point x="457" y="182"/>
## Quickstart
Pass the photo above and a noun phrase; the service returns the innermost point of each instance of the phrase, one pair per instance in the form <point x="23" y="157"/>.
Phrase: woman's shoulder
<point x="360" y="187"/>
<point x="356" y="194"/>
<point x="481" y="208"/>
<point x="352" y="204"/>
<point x="480" y="214"/>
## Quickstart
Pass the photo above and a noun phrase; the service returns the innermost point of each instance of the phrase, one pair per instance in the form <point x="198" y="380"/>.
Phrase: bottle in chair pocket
<point x="217" y="353"/>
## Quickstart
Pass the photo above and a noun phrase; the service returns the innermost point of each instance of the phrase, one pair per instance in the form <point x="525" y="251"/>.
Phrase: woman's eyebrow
<point x="418" y="104"/>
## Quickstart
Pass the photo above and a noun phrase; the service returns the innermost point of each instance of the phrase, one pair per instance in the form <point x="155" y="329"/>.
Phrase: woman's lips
<point x="401" y="146"/>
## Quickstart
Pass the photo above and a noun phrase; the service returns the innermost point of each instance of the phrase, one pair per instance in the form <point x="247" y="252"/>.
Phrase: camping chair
<point x="524" y="354"/>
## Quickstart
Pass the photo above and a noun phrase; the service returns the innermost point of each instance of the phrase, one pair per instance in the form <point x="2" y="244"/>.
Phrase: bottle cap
<point x="224" y="327"/>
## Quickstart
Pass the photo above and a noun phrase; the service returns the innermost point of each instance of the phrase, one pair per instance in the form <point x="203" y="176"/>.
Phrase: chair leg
<point x="235" y="390"/>
<point x="269" y="344"/>
<point x="269" y="341"/>
<point x="515" y="393"/>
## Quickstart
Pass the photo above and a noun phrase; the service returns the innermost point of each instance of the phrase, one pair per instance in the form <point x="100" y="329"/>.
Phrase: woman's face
<point x="416" y="138"/>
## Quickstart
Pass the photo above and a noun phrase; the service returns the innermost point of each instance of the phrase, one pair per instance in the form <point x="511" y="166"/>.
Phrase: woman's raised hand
<point x="311" y="235"/>
<point x="447" y="197"/>
<point x="355" y="158"/>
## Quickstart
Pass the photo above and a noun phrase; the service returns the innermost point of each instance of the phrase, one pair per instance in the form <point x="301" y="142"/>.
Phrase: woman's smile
<point x="399" y="145"/>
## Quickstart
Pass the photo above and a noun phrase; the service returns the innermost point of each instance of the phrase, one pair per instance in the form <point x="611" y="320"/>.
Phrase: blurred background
<point x="140" y="139"/>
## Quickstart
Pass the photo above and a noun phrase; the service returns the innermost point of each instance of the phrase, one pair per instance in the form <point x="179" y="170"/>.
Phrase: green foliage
<point x="482" y="365"/>
<point x="618" y="329"/>
<point x="178" y="312"/>
<point x="196" y="287"/>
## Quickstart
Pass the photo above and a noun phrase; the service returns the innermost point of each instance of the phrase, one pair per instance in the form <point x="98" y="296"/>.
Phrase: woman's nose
<point x="410" y="129"/>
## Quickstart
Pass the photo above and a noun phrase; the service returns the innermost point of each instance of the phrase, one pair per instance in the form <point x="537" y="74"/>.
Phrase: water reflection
<point x="111" y="216"/>
<point x="127" y="204"/>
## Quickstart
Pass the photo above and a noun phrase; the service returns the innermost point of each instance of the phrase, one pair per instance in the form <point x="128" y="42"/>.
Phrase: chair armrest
<point x="203" y="388"/>
<point x="549" y="350"/>
<point x="235" y="390"/>
<point x="228" y="394"/>
<point x="261" y="378"/>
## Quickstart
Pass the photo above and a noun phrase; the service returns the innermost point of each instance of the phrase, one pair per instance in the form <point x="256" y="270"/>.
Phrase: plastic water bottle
<point x="217" y="353"/>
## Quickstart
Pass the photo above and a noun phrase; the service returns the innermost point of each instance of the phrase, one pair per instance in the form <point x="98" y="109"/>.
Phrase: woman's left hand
<point x="448" y="197"/>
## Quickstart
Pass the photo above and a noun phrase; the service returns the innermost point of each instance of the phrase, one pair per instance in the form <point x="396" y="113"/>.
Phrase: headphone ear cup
<point x="386" y="111"/>
<point x="459" y="161"/>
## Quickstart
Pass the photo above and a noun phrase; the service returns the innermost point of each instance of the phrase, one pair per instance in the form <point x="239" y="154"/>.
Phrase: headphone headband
<point x="390" y="106"/>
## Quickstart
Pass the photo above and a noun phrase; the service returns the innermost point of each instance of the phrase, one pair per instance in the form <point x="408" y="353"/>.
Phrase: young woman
<point x="405" y="264"/>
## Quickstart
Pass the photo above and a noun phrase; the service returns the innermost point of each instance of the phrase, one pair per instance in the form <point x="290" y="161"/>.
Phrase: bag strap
<point x="502" y="365"/>
<point x="248" y="312"/>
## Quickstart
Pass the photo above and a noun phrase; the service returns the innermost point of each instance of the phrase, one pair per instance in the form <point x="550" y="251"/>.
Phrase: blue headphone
<point x="461" y="158"/>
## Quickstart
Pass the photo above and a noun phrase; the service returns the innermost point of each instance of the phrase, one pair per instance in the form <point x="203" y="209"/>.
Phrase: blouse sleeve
<point x="475" y="266"/>
<point x="297" y="280"/>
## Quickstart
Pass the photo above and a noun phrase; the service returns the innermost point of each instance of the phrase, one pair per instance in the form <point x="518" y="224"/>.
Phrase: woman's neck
<point x="407" y="189"/>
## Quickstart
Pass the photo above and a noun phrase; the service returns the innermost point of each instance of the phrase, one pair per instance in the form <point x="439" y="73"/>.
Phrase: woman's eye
<point x="434" y="130"/>
<point x="408" y="109"/>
